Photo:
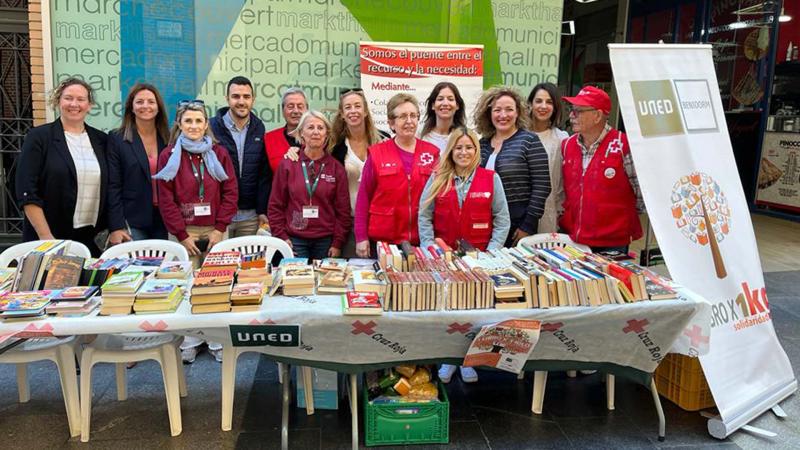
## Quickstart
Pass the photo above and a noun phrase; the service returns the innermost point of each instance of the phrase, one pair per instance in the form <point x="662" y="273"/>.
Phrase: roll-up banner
<point x="671" y="106"/>
<point x="388" y="68"/>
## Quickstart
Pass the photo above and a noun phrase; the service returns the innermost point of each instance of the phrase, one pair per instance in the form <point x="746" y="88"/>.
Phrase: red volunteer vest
<point x="473" y="221"/>
<point x="276" y="145"/>
<point x="394" y="207"/>
<point x="600" y="206"/>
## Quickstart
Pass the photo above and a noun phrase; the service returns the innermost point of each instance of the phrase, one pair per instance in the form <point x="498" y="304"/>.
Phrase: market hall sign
<point x="265" y="335"/>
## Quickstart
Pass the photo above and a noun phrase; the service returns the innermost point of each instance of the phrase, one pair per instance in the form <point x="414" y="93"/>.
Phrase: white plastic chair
<point x="551" y="240"/>
<point x="129" y="347"/>
<point x="230" y="354"/>
<point x="164" y="348"/>
<point x="170" y="251"/>
<point x="62" y="352"/>
<point x="15" y="252"/>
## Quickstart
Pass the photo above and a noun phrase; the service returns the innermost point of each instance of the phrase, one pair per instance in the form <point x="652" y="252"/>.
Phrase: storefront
<point x="758" y="74"/>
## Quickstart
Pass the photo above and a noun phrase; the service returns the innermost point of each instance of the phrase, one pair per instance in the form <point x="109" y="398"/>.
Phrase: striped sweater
<point x="524" y="170"/>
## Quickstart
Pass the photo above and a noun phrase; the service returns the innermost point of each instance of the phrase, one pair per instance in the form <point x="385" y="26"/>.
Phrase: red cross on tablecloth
<point x="552" y="326"/>
<point x="635" y="325"/>
<point x="456" y="327"/>
<point x="366" y="328"/>
<point x="258" y="322"/>
<point x="158" y="326"/>
<point x="696" y="336"/>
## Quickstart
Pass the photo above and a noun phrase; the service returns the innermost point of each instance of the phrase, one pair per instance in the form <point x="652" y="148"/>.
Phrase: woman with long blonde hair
<point x="463" y="201"/>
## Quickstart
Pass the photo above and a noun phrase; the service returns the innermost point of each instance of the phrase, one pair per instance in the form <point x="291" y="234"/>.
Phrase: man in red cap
<point x="602" y="192"/>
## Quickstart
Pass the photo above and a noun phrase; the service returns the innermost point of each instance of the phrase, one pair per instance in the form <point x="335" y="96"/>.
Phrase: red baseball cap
<point x="592" y="97"/>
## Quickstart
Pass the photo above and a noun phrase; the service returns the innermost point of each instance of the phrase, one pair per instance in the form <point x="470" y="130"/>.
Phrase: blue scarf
<point x="201" y="147"/>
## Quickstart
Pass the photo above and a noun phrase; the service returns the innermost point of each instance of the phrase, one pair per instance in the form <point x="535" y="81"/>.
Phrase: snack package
<point x="420" y="376"/>
<point x="424" y="391"/>
<point x="406" y="370"/>
<point x="403" y="386"/>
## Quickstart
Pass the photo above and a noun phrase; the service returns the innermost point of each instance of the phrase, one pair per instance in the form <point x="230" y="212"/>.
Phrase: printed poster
<point x="779" y="173"/>
<point x="670" y="102"/>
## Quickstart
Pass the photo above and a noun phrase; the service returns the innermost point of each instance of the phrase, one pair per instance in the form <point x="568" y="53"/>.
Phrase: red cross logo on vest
<point x="615" y="146"/>
<point x="426" y="158"/>
<point x="696" y="336"/>
<point x="366" y="328"/>
<point x="637" y="326"/>
<point x="456" y="327"/>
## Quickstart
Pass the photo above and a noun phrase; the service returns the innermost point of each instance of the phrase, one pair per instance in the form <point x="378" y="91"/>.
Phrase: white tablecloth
<point x="636" y="335"/>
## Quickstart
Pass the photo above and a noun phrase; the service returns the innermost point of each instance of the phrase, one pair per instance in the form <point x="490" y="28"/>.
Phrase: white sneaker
<point x="468" y="375"/>
<point x="216" y="353"/>
<point x="188" y="355"/>
<point x="446" y="372"/>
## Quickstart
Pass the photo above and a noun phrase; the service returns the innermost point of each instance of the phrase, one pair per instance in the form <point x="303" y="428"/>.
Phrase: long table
<point x="628" y="339"/>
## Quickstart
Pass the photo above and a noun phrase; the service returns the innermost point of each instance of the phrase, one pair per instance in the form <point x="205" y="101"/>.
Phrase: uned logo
<point x="265" y="335"/>
<point x="656" y="108"/>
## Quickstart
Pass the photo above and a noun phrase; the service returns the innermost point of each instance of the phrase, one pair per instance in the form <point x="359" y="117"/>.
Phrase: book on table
<point x="366" y="280"/>
<point x="361" y="304"/>
<point x="174" y="269"/>
<point x="161" y="304"/>
<point x="211" y="308"/>
<point x="212" y="281"/>
<point x="73" y="308"/>
<point x="24" y="303"/>
<point x="223" y="260"/>
<point x="76" y="293"/>
<point x="63" y="271"/>
<point x="247" y="293"/>
<point x="298" y="276"/>
<point x="123" y="283"/>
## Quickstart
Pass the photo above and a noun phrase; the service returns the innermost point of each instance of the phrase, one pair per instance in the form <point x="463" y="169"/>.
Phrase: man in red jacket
<point x="293" y="103"/>
<point x="602" y="192"/>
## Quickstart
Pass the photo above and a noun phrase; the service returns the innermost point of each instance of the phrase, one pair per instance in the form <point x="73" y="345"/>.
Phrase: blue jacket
<point x="255" y="180"/>
<point x="130" y="189"/>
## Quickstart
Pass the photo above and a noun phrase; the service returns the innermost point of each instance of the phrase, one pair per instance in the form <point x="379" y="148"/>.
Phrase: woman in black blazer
<point x="133" y="152"/>
<point x="62" y="177"/>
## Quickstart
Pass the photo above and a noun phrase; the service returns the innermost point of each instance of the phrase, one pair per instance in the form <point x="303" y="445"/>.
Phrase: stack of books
<point x="119" y="293"/>
<point x="296" y="277"/>
<point x="158" y="296"/>
<point x="100" y="270"/>
<point x="369" y="280"/>
<point x="332" y="276"/>
<point x="211" y="290"/>
<point x="24" y="305"/>
<point x="146" y="264"/>
<point x="33" y="266"/>
<point x="247" y="297"/>
<point x="74" y="301"/>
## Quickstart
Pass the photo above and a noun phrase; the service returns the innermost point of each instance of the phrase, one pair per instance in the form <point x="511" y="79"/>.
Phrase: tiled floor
<point x="494" y="413"/>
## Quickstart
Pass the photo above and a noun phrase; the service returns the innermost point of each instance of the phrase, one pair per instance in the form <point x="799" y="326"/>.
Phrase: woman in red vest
<point x="463" y="201"/>
<point x="394" y="175"/>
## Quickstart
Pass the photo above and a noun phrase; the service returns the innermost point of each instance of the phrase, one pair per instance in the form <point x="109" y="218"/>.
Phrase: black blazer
<point x="130" y="190"/>
<point x="46" y="177"/>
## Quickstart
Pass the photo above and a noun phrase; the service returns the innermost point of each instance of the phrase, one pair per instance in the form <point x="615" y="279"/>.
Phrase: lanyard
<point x="309" y="187"/>
<point x="199" y="177"/>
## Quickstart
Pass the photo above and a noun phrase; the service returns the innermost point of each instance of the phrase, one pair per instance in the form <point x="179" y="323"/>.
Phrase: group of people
<point x="331" y="189"/>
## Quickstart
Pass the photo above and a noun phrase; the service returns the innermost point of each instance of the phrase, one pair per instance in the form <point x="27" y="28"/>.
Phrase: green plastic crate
<point x="407" y="423"/>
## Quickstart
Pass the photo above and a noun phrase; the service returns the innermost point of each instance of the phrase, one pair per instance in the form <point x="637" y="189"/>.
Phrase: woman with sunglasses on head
<point x="463" y="201"/>
<point x="62" y="177"/>
<point x="309" y="206"/>
<point x="545" y="103"/>
<point x="133" y="152"/>
<point x="394" y="175"/>
<point x="517" y="155"/>
<point x="444" y="112"/>
<point x="197" y="189"/>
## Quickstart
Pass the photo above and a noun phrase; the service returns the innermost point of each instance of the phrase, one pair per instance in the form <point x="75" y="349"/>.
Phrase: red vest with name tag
<point x="473" y="221"/>
<point x="600" y="205"/>
<point x="394" y="207"/>
<point x="276" y="145"/>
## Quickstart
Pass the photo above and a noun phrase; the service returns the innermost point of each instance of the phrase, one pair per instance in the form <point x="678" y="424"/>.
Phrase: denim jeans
<point x="156" y="230"/>
<point x="311" y="248"/>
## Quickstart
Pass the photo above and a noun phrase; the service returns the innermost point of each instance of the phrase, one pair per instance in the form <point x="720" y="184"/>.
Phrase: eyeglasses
<point x="577" y="111"/>
<point x="196" y="103"/>
<point x="345" y="91"/>
<point x="407" y="117"/>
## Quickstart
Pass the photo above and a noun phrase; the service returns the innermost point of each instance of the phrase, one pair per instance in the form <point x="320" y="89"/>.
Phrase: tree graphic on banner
<point x="701" y="212"/>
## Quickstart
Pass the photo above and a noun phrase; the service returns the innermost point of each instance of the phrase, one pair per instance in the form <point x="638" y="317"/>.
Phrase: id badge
<point x="201" y="209"/>
<point x="310" y="212"/>
<point x="480" y="226"/>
